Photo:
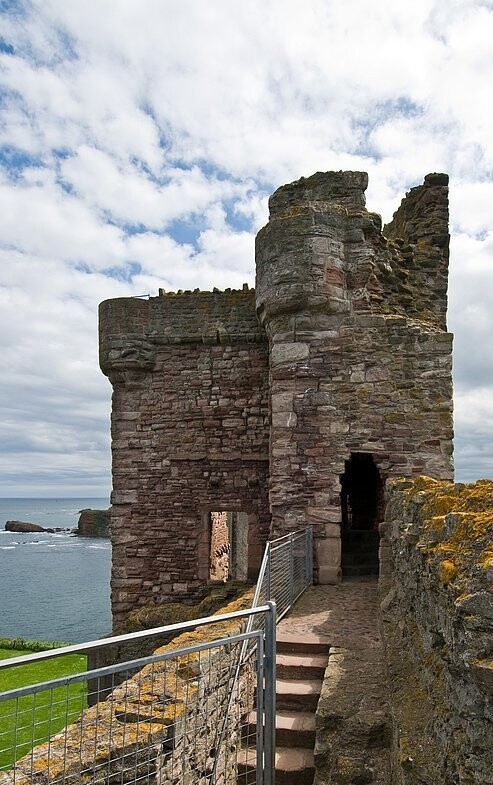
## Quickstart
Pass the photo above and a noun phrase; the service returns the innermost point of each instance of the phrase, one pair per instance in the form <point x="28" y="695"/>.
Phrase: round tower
<point x="360" y="371"/>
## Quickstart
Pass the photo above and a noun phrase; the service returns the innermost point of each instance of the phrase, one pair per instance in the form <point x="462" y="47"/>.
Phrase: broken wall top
<point x="322" y="255"/>
<point x="322" y="252"/>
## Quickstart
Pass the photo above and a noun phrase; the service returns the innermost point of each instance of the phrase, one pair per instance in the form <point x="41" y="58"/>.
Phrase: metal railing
<point x="286" y="570"/>
<point x="289" y="569"/>
<point x="201" y="713"/>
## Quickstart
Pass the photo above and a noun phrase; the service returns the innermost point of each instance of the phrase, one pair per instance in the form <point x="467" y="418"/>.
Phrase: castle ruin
<point x="284" y="406"/>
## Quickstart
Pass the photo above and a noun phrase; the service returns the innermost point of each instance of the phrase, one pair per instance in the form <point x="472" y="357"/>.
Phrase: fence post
<point x="291" y="569"/>
<point x="308" y="547"/>
<point x="260" y="733"/>
<point x="270" y="696"/>
<point x="267" y="573"/>
<point x="310" y="555"/>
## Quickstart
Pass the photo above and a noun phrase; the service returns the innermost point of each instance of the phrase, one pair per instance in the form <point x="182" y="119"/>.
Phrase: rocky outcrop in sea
<point x="94" y="523"/>
<point x="24" y="527"/>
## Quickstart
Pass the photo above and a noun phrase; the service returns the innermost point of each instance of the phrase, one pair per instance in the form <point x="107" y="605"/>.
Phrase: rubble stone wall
<point x="190" y="430"/>
<point x="359" y="357"/>
<point x="438" y="624"/>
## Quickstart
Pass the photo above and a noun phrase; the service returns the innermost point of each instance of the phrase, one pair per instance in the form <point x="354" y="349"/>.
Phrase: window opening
<point x="220" y="547"/>
<point x="228" y="558"/>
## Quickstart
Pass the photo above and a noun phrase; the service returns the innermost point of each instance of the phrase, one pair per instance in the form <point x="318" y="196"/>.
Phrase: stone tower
<point x="360" y="360"/>
<point x="285" y="406"/>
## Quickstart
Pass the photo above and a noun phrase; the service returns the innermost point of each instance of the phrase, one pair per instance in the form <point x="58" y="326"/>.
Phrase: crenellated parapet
<point x="132" y="329"/>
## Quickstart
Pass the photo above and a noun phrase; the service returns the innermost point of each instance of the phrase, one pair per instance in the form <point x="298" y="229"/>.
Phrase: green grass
<point x="32" y="719"/>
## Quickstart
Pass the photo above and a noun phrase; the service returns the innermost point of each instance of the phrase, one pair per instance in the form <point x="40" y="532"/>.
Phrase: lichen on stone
<point x="447" y="571"/>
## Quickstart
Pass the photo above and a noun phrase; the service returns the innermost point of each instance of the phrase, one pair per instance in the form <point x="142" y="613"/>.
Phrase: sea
<point x="53" y="587"/>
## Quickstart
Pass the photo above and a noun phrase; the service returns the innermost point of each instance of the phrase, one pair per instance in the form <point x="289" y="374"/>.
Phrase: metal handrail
<point x="285" y="573"/>
<point x="268" y="623"/>
<point x="78" y="648"/>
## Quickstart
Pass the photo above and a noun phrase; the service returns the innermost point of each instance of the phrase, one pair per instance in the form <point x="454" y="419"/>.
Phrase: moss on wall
<point x="438" y="620"/>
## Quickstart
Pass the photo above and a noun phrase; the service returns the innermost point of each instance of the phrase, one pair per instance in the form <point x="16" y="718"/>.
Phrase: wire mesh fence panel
<point x="202" y="714"/>
<point x="286" y="572"/>
<point x="193" y="715"/>
<point x="290" y="569"/>
<point x="31" y="716"/>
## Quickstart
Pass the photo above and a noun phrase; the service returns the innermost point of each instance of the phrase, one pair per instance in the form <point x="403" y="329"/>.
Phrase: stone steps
<point x="294" y="766"/>
<point x="307" y="645"/>
<point x="298" y="695"/>
<point x="300" y="664"/>
<point x="360" y="553"/>
<point x="293" y="728"/>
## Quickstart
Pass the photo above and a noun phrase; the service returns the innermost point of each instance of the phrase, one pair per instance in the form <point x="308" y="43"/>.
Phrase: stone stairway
<point x="360" y="553"/>
<point x="300" y="664"/>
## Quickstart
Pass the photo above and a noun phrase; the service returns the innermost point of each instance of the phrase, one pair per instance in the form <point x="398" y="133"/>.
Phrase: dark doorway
<point x="361" y="507"/>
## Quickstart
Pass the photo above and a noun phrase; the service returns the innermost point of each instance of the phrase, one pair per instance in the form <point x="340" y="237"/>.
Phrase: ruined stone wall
<point x="189" y="436"/>
<point x="357" y="364"/>
<point x="343" y="344"/>
<point x="438" y="622"/>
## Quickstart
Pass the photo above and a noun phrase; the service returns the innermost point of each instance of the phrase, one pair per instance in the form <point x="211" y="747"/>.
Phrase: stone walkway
<point x="353" y="736"/>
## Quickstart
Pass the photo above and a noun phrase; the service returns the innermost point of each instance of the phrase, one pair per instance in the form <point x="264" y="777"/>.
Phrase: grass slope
<point x="30" y="720"/>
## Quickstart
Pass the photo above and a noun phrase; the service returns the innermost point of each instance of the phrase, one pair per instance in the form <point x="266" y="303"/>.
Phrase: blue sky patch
<point x="15" y="161"/>
<point x="124" y="272"/>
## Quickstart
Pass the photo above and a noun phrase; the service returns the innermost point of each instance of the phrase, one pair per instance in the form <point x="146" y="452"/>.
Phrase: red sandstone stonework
<point x="257" y="402"/>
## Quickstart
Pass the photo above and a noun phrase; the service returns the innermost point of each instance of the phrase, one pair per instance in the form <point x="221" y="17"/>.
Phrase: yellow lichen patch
<point x="447" y="571"/>
<point x="437" y="522"/>
<point x="439" y="506"/>
<point x="294" y="209"/>
<point x="456" y="524"/>
<point x="423" y="483"/>
<point x="488" y="663"/>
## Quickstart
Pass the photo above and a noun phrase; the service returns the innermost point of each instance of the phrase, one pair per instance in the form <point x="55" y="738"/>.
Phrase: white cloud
<point x="178" y="120"/>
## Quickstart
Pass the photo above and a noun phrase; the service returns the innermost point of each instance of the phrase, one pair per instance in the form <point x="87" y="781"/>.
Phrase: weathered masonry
<point x="286" y="405"/>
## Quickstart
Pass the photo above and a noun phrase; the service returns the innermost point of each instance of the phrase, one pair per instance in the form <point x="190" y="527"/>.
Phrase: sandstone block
<point x="284" y="420"/>
<point x="288" y="353"/>
<point x="282" y="402"/>
<point x="328" y="554"/>
<point x="124" y="497"/>
<point x="328" y="515"/>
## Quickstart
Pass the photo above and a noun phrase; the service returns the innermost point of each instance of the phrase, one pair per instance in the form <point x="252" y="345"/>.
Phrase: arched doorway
<point x="362" y="510"/>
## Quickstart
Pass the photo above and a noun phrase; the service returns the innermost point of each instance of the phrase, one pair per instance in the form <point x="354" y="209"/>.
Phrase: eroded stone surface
<point x="439" y="631"/>
<point x="254" y="401"/>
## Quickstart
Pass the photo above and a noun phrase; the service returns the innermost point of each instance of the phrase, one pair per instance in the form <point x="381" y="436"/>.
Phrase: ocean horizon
<point x="53" y="587"/>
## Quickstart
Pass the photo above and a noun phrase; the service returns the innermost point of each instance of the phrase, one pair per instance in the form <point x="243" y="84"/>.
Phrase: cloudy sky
<point x="140" y="141"/>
